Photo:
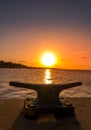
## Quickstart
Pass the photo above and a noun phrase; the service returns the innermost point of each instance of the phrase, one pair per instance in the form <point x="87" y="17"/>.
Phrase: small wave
<point x="4" y="81"/>
<point x="88" y="83"/>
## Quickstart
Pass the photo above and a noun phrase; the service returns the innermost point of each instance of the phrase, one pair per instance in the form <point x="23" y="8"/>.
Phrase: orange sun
<point x="48" y="59"/>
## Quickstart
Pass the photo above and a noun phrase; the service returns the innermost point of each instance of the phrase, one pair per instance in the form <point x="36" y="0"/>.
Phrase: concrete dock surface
<point x="11" y="117"/>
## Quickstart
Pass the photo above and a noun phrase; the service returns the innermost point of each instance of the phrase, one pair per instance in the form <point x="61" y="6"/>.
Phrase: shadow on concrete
<point x="69" y="123"/>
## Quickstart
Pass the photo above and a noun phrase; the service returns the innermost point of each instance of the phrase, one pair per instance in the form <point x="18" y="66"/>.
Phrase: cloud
<point x="62" y="59"/>
<point x="84" y="57"/>
<point x="22" y="61"/>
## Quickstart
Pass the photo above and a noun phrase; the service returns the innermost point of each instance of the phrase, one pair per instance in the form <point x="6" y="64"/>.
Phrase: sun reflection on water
<point x="48" y="78"/>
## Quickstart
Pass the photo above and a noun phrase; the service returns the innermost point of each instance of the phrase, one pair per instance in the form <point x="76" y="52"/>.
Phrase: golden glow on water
<point x="48" y="78"/>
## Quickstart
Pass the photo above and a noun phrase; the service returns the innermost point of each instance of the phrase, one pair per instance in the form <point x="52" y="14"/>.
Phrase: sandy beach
<point x="11" y="117"/>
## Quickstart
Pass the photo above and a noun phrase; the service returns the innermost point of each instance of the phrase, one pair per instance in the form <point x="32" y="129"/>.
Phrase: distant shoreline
<point x="12" y="65"/>
<point x="9" y="64"/>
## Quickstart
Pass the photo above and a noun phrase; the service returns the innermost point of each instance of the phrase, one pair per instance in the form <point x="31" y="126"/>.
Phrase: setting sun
<point x="48" y="59"/>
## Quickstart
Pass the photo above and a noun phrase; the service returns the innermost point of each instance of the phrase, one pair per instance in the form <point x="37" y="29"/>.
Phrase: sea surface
<point x="44" y="76"/>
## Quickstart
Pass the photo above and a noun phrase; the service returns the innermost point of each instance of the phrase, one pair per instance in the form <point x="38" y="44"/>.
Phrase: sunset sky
<point x="29" y="28"/>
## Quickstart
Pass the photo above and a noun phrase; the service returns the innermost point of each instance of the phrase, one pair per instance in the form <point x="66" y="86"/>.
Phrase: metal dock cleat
<point x="47" y="101"/>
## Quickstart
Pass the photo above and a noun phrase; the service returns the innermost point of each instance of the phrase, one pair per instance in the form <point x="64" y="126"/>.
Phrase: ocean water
<point x="44" y="76"/>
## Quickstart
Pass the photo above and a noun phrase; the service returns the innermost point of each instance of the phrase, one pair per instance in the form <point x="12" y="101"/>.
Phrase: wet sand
<point x="11" y="117"/>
